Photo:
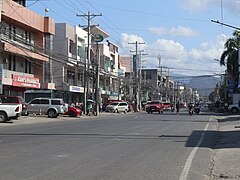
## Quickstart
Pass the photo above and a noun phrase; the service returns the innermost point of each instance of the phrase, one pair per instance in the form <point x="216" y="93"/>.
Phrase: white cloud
<point x="179" y="31"/>
<point x="196" y="5"/>
<point x="233" y="6"/>
<point x="173" y="54"/>
<point x="126" y="39"/>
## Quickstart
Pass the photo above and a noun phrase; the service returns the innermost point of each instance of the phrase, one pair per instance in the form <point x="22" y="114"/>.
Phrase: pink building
<point x="24" y="57"/>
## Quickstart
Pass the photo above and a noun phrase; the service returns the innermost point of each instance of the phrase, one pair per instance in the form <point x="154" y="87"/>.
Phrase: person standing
<point x="177" y="107"/>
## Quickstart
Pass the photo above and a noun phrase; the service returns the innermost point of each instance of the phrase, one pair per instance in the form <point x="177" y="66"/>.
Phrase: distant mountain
<point x="204" y="85"/>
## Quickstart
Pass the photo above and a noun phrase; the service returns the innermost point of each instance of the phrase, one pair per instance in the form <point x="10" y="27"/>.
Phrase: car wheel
<point x="234" y="110"/>
<point x="125" y="111"/>
<point x="52" y="113"/>
<point x="151" y="112"/>
<point x="3" y="117"/>
<point x="72" y="114"/>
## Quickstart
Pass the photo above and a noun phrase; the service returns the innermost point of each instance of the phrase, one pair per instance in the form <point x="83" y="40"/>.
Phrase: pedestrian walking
<point x="177" y="107"/>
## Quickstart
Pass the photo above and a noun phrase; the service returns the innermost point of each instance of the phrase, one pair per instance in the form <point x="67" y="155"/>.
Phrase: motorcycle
<point x="197" y="110"/>
<point x="190" y="111"/>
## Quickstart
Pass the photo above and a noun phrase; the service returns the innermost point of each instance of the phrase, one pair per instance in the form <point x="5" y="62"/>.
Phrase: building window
<point x="26" y="63"/>
<point x="148" y="76"/>
<point x="14" y="33"/>
<point x="71" y="46"/>
<point x="9" y="62"/>
<point x="70" y="77"/>
<point x="28" y="67"/>
<point x="14" y="63"/>
<point x="26" y="37"/>
<point x="10" y="32"/>
<point x="29" y="38"/>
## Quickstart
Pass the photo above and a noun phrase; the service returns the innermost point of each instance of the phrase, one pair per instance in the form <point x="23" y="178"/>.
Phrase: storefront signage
<point x="98" y="38"/>
<point x="24" y="81"/>
<point x="76" y="89"/>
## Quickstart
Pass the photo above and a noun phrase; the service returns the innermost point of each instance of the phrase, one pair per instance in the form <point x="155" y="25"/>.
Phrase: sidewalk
<point x="32" y="119"/>
<point x="226" y="158"/>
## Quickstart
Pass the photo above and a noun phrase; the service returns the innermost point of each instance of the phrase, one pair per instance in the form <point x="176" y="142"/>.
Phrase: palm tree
<point x="229" y="56"/>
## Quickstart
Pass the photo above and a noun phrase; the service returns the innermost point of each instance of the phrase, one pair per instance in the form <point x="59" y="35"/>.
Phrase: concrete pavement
<point x="226" y="153"/>
<point x="31" y="119"/>
<point x="226" y="157"/>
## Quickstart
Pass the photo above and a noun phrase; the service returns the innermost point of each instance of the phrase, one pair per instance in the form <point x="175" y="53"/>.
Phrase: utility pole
<point x="135" y="71"/>
<point x="140" y="79"/>
<point x="87" y="61"/>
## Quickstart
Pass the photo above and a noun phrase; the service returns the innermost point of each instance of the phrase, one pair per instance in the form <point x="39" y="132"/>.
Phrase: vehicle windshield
<point x="114" y="104"/>
<point x="153" y="102"/>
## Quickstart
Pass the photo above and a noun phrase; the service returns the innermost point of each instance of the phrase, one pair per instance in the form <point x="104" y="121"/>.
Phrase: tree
<point x="229" y="56"/>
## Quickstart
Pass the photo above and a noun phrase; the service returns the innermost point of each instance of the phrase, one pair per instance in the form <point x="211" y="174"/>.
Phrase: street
<point x="136" y="146"/>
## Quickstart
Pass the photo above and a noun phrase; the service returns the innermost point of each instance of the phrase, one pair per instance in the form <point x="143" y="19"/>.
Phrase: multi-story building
<point x="126" y="62"/>
<point x="69" y="45"/>
<point x="156" y="85"/>
<point x="25" y="48"/>
<point x="68" y="71"/>
<point x="110" y="73"/>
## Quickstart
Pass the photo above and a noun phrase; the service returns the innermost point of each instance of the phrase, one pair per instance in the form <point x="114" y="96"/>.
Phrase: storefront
<point x="18" y="84"/>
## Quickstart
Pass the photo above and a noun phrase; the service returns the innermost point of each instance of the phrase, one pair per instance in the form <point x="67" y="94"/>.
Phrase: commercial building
<point x="25" y="47"/>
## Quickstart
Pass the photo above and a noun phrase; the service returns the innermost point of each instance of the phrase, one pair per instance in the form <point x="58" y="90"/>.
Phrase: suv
<point x="50" y="106"/>
<point x="154" y="106"/>
<point x="117" y="107"/>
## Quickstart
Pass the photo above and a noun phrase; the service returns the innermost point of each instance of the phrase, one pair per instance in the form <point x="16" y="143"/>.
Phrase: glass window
<point x="123" y="104"/>
<point x="9" y="100"/>
<point x="35" y="101"/>
<point x="44" y="101"/>
<point x="55" y="102"/>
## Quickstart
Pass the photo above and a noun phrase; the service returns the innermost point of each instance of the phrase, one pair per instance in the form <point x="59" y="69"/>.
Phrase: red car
<point x="154" y="106"/>
<point x="73" y="112"/>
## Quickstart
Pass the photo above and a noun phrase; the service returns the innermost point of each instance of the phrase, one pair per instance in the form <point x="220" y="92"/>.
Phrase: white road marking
<point x="62" y="155"/>
<point x="188" y="163"/>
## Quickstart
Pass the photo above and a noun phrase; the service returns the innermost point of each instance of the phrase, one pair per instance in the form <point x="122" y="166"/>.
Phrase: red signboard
<point x="24" y="81"/>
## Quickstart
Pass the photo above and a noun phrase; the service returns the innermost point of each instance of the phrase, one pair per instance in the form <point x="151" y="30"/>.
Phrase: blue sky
<point x="180" y="31"/>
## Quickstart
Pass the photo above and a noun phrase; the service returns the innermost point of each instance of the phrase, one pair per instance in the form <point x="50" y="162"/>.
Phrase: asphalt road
<point x="134" y="146"/>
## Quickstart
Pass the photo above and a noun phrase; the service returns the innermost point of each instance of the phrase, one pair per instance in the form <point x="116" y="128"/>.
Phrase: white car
<point x="117" y="107"/>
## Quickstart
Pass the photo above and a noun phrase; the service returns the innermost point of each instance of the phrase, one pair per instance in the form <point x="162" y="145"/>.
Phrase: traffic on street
<point x="110" y="146"/>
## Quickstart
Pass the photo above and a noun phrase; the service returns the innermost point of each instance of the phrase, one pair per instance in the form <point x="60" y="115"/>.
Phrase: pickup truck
<point x="154" y="106"/>
<point x="9" y="111"/>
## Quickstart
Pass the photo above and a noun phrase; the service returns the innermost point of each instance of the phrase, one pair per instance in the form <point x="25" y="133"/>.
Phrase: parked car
<point x="49" y="106"/>
<point x="73" y="111"/>
<point x="9" y="111"/>
<point x="154" y="106"/>
<point x="117" y="107"/>
<point x="7" y="100"/>
<point x="130" y="107"/>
